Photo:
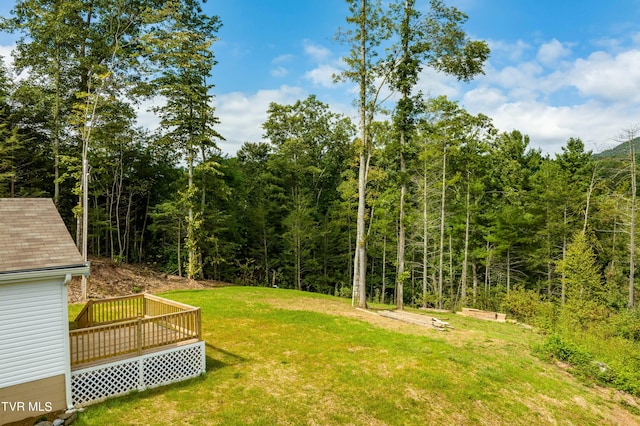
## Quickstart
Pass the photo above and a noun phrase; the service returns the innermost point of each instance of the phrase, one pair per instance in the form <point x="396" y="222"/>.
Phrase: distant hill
<point x="621" y="150"/>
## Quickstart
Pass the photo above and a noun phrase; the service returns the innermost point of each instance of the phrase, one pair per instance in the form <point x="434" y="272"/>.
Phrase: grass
<point x="286" y="357"/>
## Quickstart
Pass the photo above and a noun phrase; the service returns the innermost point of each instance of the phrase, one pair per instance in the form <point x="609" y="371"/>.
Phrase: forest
<point x="420" y="203"/>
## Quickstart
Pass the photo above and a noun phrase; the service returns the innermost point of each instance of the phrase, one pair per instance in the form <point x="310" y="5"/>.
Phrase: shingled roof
<point x="33" y="236"/>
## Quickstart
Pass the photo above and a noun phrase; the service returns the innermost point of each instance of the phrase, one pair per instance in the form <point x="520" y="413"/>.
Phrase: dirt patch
<point x="108" y="280"/>
<point x="346" y="310"/>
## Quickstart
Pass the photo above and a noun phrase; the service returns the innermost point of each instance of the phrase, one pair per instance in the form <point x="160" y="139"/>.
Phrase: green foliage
<point x="626" y="324"/>
<point x="526" y="306"/>
<point x="609" y="369"/>
<point x="582" y="276"/>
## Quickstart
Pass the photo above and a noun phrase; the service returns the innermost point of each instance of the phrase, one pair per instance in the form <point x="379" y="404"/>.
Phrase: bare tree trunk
<point x="298" y="262"/>
<point x="56" y="131"/>
<point x="589" y="192"/>
<point x="403" y="167"/>
<point x="487" y="273"/>
<point x="442" y="214"/>
<point x="180" y="247"/>
<point x="425" y="237"/>
<point x="118" y="195"/>
<point x="451" y="273"/>
<point x="474" y="271"/>
<point x="463" y="278"/>
<point x="144" y="227"/>
<point x="265" y="249"/>
<point x="564" y="256"/>
<point x="632" y="244"/>
<point x="384" y="268"/>
<point x="508" y="270"/>
<point x="401" y="231"/>
<point x="360" y="261"/>
<point x="127" y="228"/>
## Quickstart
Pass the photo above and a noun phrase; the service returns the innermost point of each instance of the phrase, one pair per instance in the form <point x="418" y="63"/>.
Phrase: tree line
<point x="422" y="203"/>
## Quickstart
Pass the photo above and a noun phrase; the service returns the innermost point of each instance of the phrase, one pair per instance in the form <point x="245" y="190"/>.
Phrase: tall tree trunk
<point x="404" y="119"/>
<point x="563" y="280"/>
<point x="632" y="244"/>
<point x="451" y="274"/>
<point x="508" y="270"/>
<point x="474" y="272"/>
<point x="360" y="261"/>
<point x="465" y="261"/>
<point x="425" y="237"/>
<point x="442" y="215"/>
<point x="179" y="247"/>
<point x="589" y="192"/>
<point x="384" y="268"/>
<point x="56" y="130"/>
<point x="144" y="227"/>
<point x="265" y="249"/>
<point x="401" y="230"/>
<point x="190" y="230"/>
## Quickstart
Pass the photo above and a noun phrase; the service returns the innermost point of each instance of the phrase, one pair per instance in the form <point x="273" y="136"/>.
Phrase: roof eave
<point x="36" y="274"/>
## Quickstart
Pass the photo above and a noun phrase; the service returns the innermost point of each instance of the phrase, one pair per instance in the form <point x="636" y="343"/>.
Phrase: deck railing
<point x="129" y="325"/>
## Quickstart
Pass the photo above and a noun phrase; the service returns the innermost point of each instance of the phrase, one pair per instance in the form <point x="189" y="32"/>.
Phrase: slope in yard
<point x="286" y="357"/>
<point x="108" y="279"/>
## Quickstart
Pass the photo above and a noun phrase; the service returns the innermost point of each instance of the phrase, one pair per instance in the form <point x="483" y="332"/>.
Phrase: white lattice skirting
<point x="94" y="384"/>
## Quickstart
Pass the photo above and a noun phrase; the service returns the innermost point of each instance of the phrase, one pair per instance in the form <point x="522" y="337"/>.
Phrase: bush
<point x="626" y="324"/>
<point x="558" y="348"/>
<point x="621" y="373"/>
<point x="582" y="315"/>
<point x="526" y="306"/>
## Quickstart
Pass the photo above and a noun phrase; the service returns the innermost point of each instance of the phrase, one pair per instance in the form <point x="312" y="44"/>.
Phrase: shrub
<point x="626" y="324"/>
<point x="526" y="306"/>
<point x="620" y="373"/>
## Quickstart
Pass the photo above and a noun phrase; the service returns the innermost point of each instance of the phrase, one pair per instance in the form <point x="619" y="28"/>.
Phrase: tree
<point x="578" y="172"/>
<point x="438" y="41"/>
<point x="311" y="147"/>
<point x="583" y="280"/>
<point x="372" y="28"/>
<point x="48" y="49"/>
<point x="181" y="43"/>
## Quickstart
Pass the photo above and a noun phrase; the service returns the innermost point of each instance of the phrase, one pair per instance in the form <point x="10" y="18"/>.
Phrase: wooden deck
<point x="129" y="326"/>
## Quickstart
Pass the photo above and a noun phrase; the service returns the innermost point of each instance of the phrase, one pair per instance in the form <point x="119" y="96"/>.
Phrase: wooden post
<point x="139" y="335"/>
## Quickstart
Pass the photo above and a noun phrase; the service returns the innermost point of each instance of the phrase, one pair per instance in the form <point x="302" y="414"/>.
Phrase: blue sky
<point x="558" y="69"/>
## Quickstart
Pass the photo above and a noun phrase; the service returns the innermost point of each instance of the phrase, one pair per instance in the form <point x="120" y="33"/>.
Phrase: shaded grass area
<point x="287" y="357"/>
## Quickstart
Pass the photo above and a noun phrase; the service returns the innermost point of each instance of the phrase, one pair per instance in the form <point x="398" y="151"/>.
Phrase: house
<point x="117" y="345"/>
<point x="37" y="260"/>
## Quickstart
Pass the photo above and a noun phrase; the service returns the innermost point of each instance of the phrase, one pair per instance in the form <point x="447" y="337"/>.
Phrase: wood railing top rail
<point x="111" y="299"/>
<point x="86" y="316"/>
<point x="173" y="303"/>
<point x="99" y="328"/>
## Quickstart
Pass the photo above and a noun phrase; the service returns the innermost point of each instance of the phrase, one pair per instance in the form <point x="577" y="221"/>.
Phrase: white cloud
<point x="549" y="127"/>
<point x="434" y="83"/>
<point x="484" y="97"/>
<point x="315" y="51"/>
<point x="242" y="115"/>
<point x="146" y="118"/>
<point x="322" y="75"/>
<point x="522" y="75"/>
<point x="550" y="53"/>
<point x="5" y="52"/>
<point x="592" y="97"/>
<point x="614" y="78"/>
<point x="512" y="51"/>
<point x="279" y="72"/>
<point x="282" y="59"/>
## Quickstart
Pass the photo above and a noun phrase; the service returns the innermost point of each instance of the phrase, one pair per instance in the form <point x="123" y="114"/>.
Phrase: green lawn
<point x="285" y="357"/>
